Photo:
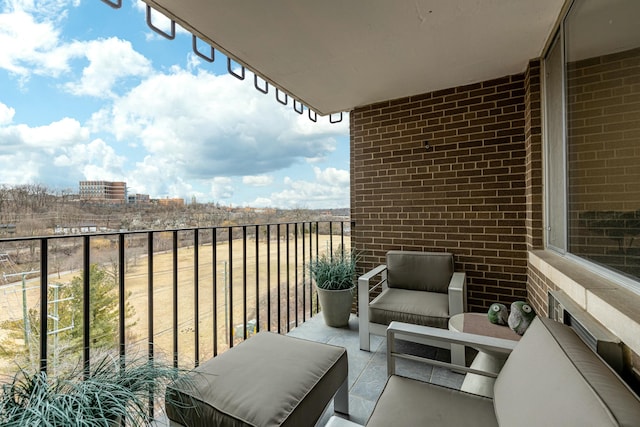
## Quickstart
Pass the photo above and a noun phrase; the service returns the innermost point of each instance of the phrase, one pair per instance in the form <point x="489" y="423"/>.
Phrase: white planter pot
<point x="336" y="306"/>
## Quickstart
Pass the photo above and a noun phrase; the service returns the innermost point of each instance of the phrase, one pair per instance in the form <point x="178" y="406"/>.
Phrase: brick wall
<point x="538" y="286"/>
<point x="466" y="194"/>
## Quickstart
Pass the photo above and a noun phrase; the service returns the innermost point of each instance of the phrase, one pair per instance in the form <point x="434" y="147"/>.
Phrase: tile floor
<point x="368" y="370"/>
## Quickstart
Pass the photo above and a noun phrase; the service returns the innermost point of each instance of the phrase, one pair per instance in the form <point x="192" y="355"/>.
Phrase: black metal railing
<point x="202" y="291"/>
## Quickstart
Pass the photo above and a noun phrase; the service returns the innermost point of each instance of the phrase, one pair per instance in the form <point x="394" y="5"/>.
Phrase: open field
<point x="229" y="275"/>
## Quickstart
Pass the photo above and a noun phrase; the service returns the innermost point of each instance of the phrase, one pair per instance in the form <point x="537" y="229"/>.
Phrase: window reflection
<point x="602" y="63"/>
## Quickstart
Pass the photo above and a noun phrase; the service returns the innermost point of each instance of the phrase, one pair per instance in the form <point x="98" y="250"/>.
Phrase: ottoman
<point x="268" y="380"/>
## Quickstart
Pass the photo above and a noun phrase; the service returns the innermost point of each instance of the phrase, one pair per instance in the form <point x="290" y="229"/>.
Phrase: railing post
<point x="86" y="306"/>
<point x="196" y="296"/>
<point x="317" y="255"/>
<point x="304" y="277"/>
<point x="214" y="271"/>
<point x="244" y="281"/>
<point x="230" y="277"/>
<point x="257" y="279"/>
<point x="288" y="280"/>
<point x="295" y="263"/>
<point x="269" y="277"/>
<point x="310" y="260"/>
<point x="279" y="302"/>
<point x="175" y="297"/>
<point x="150" y="332"/>
<point x="44" y="285"/>
<point x="121" y="298"/>
<point x="331" y="239"/>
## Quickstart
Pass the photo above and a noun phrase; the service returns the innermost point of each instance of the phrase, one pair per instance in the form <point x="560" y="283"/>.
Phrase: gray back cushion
<point x="421" y="271"/>
<point x="552" y="377"/>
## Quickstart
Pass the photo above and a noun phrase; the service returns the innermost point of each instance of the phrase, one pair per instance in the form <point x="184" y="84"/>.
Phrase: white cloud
<point x="161" y="179"/>
<point x="330" y="188"/>
<point x="264" y="202"/>
<point x="51" y="9"/>
<point x="211" y="126"/>
<point x="28" y="46"/>
<point x="180" y="189"/>
<point x="6" y="114"/>
<point x="177" y="133"/>
<point x="55" y="154"/>
<point x="30" y="37"/>
<point x="110" y="60"/>
<point x="221" y="188"/>
<point x="98" y="155"/>
<point x="20" y="168"/>
<point x="257" y="180"/>
<point x="52" y="137"/>
<point x="332" y="176"/>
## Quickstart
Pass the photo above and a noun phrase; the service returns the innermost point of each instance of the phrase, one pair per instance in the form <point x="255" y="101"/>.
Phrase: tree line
<point x="36" y="210"/>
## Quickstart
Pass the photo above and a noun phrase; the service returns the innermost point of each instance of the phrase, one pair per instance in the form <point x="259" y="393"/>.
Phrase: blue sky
<point x="91" y="93"/>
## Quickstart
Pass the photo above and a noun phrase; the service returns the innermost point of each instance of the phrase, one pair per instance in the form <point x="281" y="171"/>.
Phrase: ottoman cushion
<point x="268" y="380"/>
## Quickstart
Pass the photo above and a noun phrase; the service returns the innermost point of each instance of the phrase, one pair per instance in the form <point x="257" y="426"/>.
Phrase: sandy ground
<point x="136" y="283"/>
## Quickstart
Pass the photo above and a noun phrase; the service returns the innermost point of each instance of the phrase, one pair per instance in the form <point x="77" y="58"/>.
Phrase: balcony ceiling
<point x="335" y="55"/>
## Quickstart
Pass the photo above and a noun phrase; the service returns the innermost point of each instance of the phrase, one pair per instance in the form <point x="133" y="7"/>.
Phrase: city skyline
<point x="92" y="93"/>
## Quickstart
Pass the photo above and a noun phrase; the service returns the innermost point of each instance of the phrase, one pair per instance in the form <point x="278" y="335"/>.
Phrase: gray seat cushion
<point x="553" y="376"/>
<point x="418" y="308"/>
<point x="419" y="271"/>
<point x="268" y="380"/>
<point x="411" y="403"/>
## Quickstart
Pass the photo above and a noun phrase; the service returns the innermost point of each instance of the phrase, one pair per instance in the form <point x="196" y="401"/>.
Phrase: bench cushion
<point x="418" y="308"/>
<point x="419" y="271"/>
<point x="268" y="380"/>
<point x="553" y="376"/>
<point x="408" y="402"/>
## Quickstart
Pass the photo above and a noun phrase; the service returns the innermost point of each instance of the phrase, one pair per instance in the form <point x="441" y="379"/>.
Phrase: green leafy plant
<point x="112" y="393"/>
<point x="334" y="271"/>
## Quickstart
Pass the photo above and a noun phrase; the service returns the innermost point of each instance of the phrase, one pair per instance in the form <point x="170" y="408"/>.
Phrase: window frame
<point x="552" y="208"/>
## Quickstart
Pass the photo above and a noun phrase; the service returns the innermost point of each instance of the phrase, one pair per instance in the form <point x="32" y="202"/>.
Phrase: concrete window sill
<point x="612" y="304"/>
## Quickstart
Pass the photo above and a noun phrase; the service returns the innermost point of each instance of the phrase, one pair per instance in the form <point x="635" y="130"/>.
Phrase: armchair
<point x="416" y="287"/>
<point x="551" y="377"/>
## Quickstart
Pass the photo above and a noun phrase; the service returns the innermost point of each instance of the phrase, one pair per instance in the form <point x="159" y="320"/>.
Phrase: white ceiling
<point x="335" y="55"/>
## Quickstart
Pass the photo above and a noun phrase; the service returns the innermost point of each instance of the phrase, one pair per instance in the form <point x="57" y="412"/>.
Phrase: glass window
<point x="601" y="136"/>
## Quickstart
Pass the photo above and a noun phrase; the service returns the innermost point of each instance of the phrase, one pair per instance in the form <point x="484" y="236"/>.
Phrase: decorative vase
<point x="336" y="306"/>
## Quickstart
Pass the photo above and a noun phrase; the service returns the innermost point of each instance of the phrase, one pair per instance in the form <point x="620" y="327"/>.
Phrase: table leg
<point x="458" y="355"/>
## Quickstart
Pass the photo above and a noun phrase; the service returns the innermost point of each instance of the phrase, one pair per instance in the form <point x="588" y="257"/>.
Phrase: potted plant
<point x="334" y="276"/>
<point x="109" y="395"/>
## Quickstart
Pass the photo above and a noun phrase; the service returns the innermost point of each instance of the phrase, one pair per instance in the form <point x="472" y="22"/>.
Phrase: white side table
<point x="478" y="323"/>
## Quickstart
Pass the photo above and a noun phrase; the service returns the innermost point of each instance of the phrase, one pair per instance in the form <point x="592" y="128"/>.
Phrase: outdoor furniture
<point x="551" y="378"/>
<point x="268" y="380"/>
<point x="478" y="324"/>
<point x="416" y="287"/>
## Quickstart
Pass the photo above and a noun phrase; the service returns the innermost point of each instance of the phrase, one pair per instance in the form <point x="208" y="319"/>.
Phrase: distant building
<point x="171" y="202"/>
<point x="139" y="199"/>
<point x="76" y="229"/>
<point x="103" y="192"/>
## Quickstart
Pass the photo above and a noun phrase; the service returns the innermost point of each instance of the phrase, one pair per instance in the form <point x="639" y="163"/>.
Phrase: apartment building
<point x="103" y="191"/>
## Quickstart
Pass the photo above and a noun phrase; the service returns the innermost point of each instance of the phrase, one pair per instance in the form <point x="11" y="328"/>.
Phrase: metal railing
<point x="222" y="284"/>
